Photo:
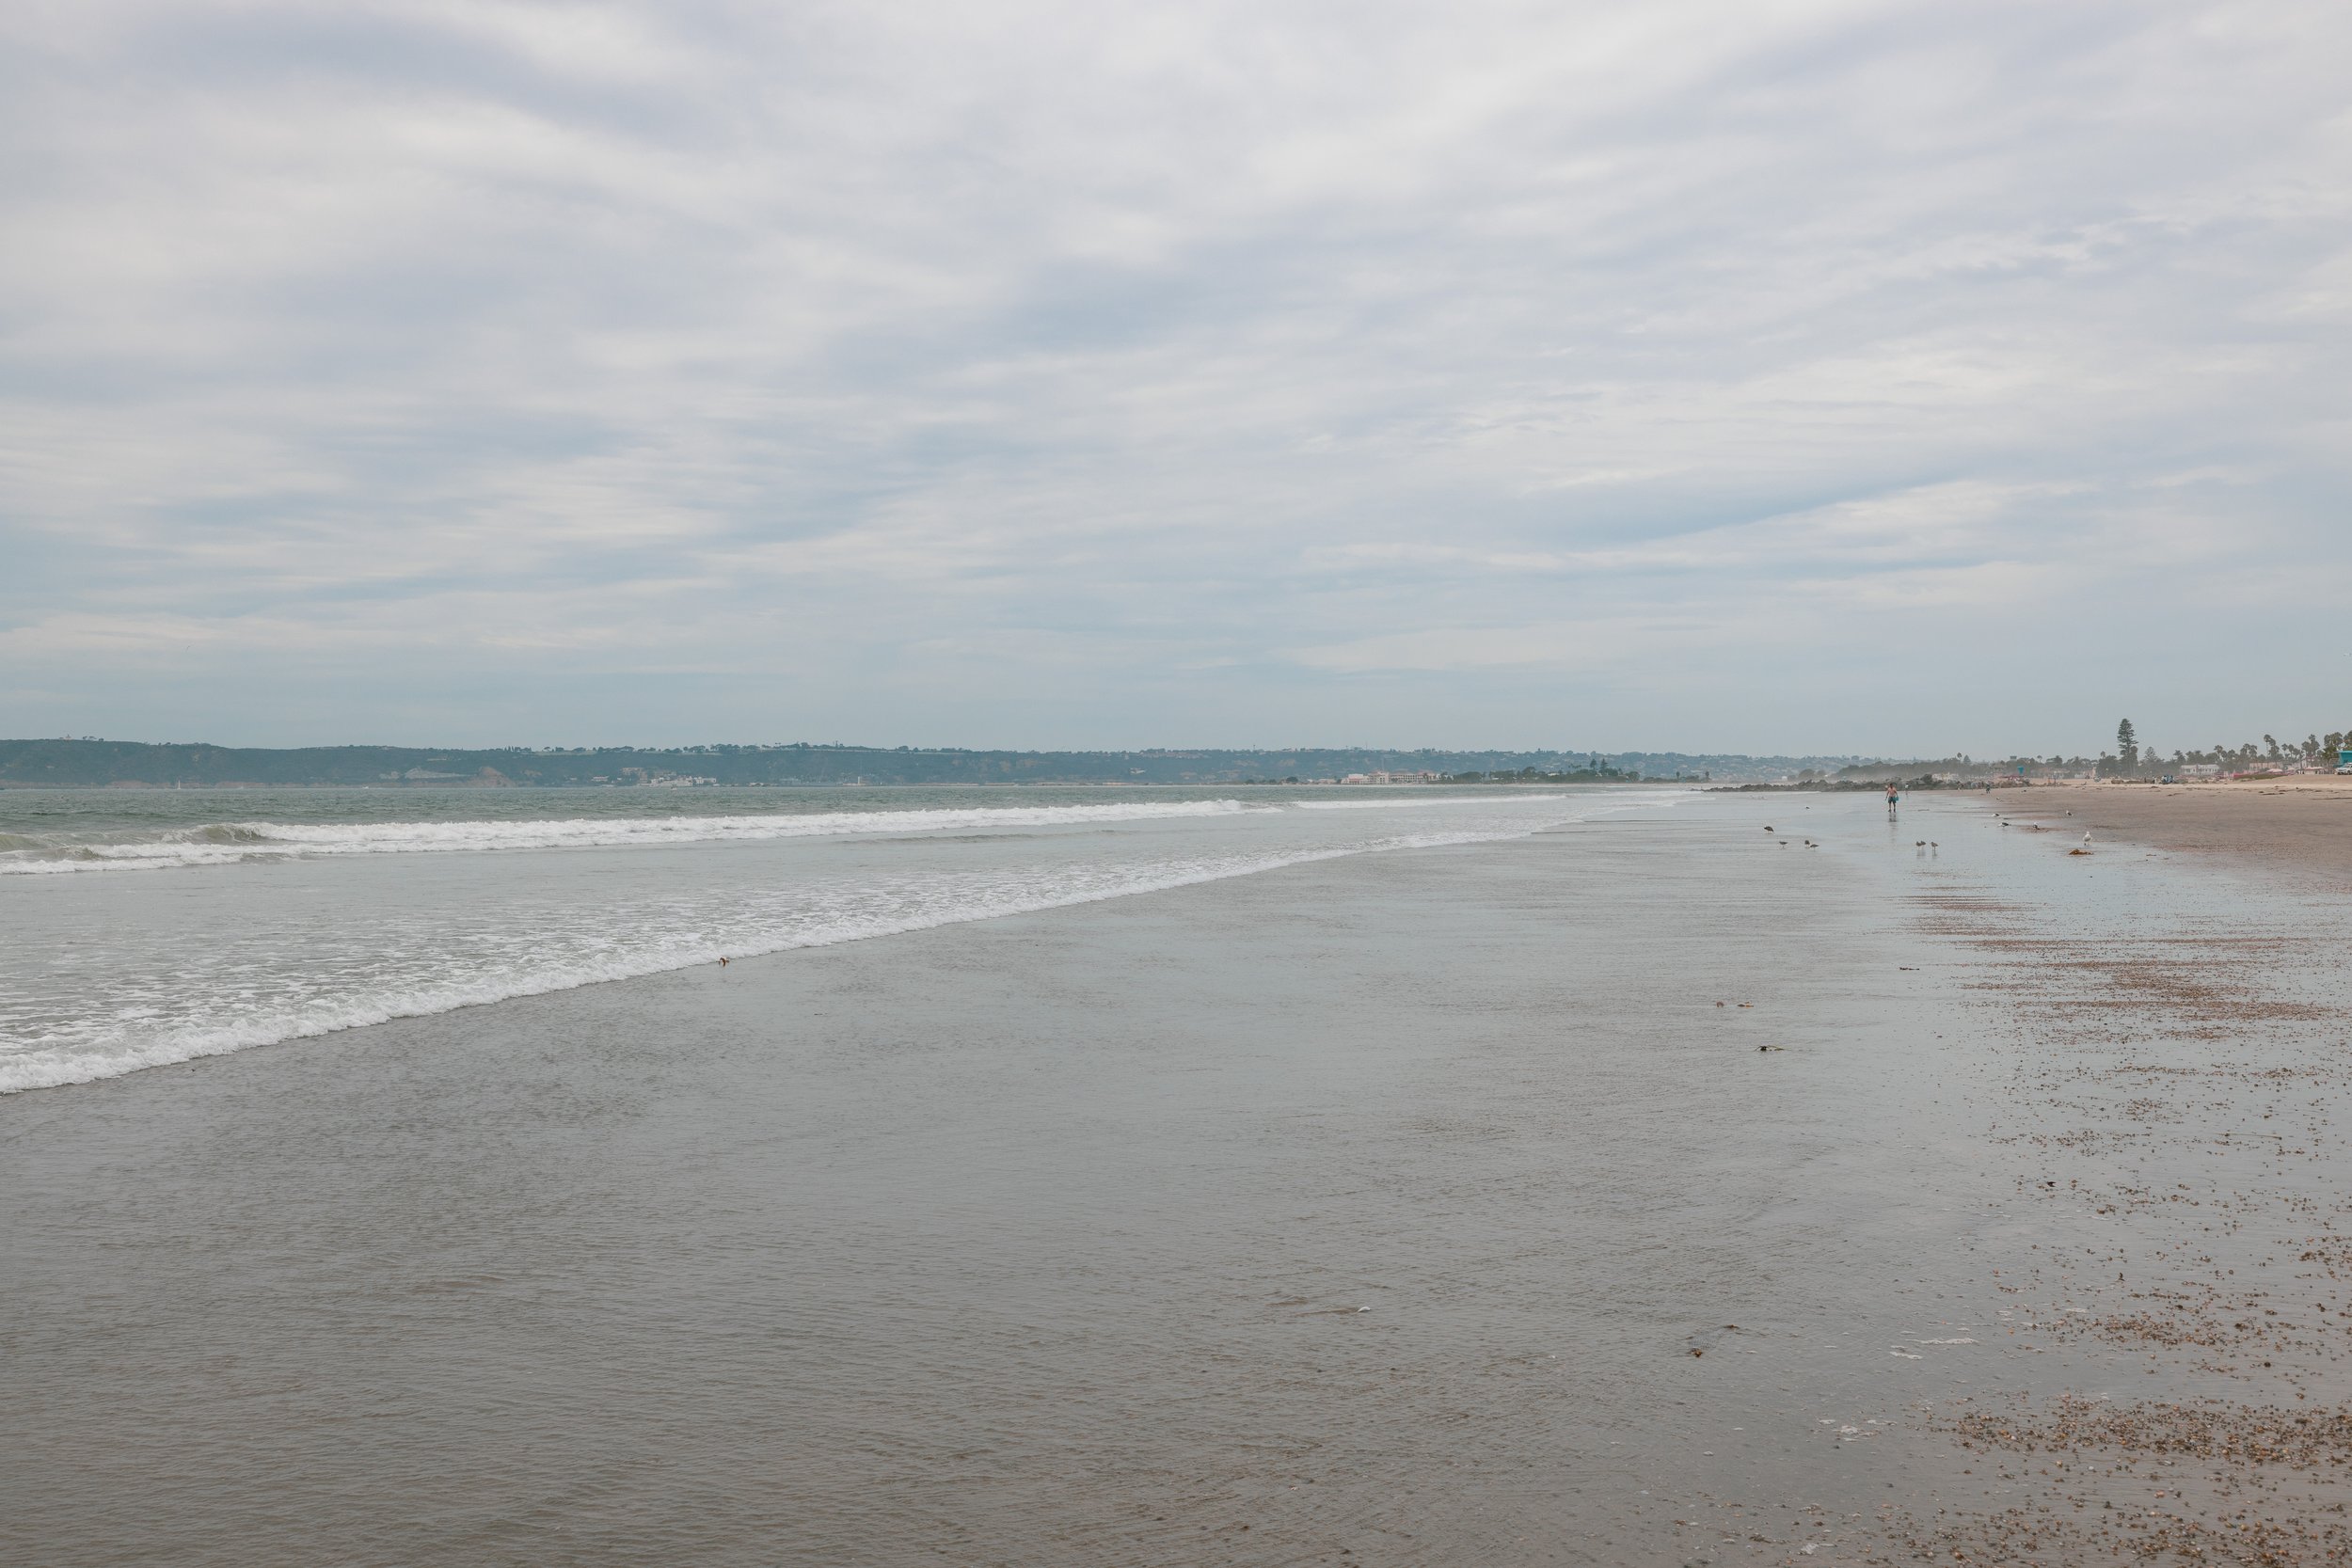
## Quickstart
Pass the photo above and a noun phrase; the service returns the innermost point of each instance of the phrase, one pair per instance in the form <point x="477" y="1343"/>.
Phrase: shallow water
<point x="1364" y="1209"/>
<point x="156" y="929"/>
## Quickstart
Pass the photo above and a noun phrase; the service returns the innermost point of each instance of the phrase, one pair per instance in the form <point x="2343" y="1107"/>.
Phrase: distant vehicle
<point x="2345" y="768"/>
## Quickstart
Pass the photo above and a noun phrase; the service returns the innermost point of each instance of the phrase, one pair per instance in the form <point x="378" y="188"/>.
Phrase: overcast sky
<point x="1888" y="378"/>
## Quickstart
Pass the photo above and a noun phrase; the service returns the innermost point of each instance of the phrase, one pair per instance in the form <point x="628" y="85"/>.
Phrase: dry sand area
<point x="2303" y="822"/>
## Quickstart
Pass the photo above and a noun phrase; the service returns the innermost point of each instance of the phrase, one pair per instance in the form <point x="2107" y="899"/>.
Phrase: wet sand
<point x="2177" y="1067"/>
<point x="1418" y="1207"/>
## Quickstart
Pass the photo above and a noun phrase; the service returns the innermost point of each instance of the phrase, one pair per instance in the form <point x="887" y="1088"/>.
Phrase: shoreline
<point x="1390" y="1204"/>
<point x="1650" y="1191"/>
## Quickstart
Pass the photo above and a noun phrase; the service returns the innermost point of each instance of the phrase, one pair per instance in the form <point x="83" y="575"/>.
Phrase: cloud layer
<point x="1797" y="376"/>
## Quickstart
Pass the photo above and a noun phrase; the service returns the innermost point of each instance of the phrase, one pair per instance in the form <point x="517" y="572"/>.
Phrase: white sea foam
<point x="1395" y="802"/>
<point x="377" y="977"/>
<point x="231" y="843"/>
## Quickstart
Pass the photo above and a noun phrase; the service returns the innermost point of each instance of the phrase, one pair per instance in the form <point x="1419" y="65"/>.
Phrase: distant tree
<point x="2127" y="747"/>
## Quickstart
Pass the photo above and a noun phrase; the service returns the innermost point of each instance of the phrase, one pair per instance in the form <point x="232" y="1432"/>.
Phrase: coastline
<point x="1390" y="1209"/>
<point x="1373" y="1205"/>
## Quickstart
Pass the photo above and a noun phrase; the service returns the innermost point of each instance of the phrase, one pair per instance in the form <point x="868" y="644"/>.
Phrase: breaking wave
<point x="370" y="978"/>
<point x="231" y="843"/>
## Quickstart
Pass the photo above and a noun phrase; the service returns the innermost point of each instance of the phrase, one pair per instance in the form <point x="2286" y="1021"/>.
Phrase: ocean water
<point x="154" y="926"/>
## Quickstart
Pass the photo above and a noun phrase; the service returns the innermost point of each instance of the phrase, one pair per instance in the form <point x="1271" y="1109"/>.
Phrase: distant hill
<point x="76" y="763"/>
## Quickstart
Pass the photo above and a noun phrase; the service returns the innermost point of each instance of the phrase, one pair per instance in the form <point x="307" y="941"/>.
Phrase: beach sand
<point x="2302" y="822"/>
<point x="1414" y="1208"/>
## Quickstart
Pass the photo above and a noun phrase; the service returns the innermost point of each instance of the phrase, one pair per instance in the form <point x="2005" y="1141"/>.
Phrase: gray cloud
<point x="1795" y="377"/>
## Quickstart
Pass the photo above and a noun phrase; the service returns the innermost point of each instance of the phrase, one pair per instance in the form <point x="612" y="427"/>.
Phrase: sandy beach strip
<point x="2301" y="822"/>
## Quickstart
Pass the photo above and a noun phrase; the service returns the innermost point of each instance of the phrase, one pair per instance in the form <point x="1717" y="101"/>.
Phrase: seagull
<point x="2085" y="839"/>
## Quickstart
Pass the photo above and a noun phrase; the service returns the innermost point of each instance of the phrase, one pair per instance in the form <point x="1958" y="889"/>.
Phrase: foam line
<point x="231" y="843"/>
